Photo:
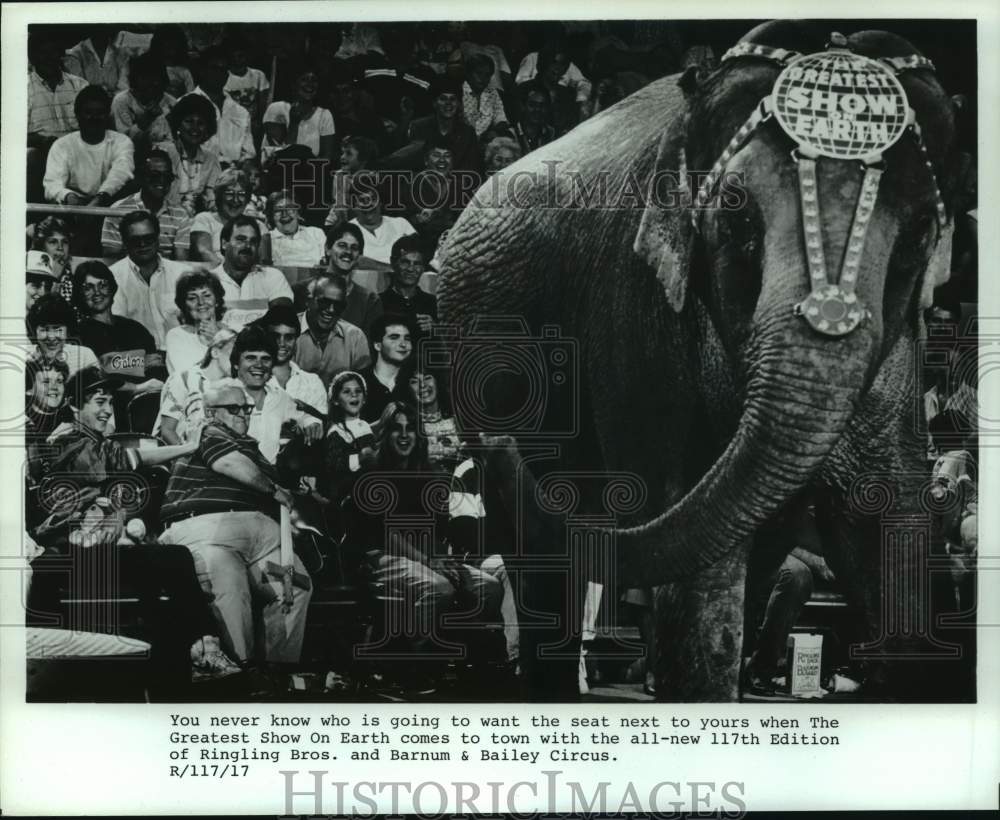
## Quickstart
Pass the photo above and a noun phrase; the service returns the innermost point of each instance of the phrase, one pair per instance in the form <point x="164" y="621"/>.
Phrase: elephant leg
<point x="700" y="633"/>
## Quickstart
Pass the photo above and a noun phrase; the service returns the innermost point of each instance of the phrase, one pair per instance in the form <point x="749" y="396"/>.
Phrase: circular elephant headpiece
<point x="842" y="106"/>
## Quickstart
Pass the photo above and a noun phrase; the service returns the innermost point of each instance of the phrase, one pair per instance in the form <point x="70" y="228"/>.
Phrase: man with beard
<point x="329" y="344"/>
<point x="404" y="297"/>
<point x="252" y="359"/>
<point x="146" y="281"/>
<point x="242" y="278"/>
<point x="156" y="176"/>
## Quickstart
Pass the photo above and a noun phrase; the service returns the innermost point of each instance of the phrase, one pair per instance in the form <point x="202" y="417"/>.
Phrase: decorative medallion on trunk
<point x="840" y="105"/>
<point x="831" y="310"/>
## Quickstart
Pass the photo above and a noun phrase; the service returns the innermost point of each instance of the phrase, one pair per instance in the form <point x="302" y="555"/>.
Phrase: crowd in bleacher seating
<point x="252" y="317"/>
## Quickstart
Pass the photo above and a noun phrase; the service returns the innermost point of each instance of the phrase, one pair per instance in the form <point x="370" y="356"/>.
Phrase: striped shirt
<point x="195" y="488"/>
<point x="474" y="493"/>
<point x="50" y="113"/>
<point x="192" y="177"/>
<point x="171" y="217"/>
<point x="126" y="110"/>
<point x="466" y="511"/>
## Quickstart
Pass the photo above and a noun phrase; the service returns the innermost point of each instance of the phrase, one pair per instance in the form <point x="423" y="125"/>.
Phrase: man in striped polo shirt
<point x="156" y="176"/>
<point x="222" y="504"/>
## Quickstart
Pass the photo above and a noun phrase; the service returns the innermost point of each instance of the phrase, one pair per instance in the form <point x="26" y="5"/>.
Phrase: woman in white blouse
<point x="196" y="172"/>
<point x="301" y="122"/>
<point x="292" y="243"/>
<point x="202" y="304"/>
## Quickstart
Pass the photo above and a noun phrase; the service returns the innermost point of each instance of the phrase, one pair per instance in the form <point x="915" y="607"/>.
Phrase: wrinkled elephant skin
<point x="697" y="374"/>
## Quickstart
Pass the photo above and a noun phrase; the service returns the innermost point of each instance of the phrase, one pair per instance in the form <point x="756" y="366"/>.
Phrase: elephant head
<point x="780" y="215"/>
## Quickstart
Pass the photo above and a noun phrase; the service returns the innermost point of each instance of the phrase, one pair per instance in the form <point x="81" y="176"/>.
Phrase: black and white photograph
<point x="478" y="362"/>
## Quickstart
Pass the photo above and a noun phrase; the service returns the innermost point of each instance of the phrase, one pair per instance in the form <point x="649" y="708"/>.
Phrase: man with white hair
<point x="222" y="503"/>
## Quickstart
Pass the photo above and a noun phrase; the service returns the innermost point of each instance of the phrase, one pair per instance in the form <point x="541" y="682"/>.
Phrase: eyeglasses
<point x="235" y="409"/>
<point x="96" y="287"/>
<point x="330" y="304"/>
<point x="236" y="194"/>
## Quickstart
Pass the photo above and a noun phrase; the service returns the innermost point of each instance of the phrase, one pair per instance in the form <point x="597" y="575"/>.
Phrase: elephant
<point x="674" y="238"/>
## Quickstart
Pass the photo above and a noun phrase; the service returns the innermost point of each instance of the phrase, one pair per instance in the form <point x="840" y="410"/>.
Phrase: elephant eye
<point x="739" y="231"/>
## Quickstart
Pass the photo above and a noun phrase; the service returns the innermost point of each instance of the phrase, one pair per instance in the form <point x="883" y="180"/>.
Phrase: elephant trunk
<point x="801" y="394"/>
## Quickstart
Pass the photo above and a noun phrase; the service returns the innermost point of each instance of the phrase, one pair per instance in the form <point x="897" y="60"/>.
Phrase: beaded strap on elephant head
<point x="855" y="126"/>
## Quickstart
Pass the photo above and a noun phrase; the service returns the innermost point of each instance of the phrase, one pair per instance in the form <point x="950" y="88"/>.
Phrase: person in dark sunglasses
<point x="328" y="344"/>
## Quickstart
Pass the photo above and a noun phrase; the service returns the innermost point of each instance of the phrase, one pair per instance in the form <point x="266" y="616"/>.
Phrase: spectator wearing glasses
<point x="156" y="177"/>
<point x="196" y="170"/>
<point x="83" y="450"/>
<point x="203" y="235"/>
<point x="222" y="504"/>
<point x="293" y="243"/>
<point x="125" y="348"/>
<point x="344" y="250"/>
<point x="147" y="282"/>
<point x="91" y="165"/>
<point x="94" y="289"/>
<point x="253" y="357"/>
<point x="329" y="344"/>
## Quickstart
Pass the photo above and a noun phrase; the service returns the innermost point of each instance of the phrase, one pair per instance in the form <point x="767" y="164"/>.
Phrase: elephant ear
<point x="665" y="235"/>
<point x="938" y="268"/>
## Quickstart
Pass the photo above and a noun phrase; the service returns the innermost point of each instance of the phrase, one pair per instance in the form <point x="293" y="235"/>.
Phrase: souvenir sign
<point x="840" y="105"/>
